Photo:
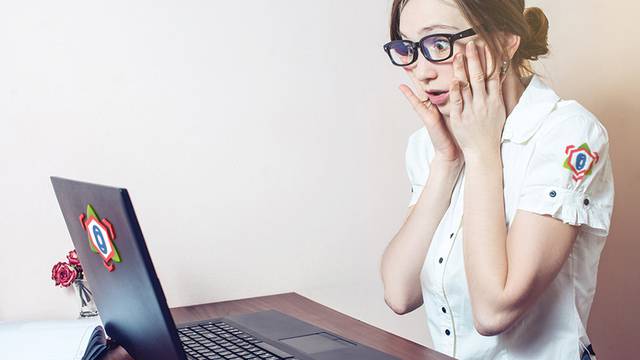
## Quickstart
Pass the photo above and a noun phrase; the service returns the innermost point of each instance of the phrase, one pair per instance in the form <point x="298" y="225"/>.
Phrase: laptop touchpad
<point x="317" y="343"/>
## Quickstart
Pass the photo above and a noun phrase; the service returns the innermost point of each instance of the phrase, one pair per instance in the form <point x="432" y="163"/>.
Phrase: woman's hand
<point x="477" y="113"/>
<point x="443" y="142"/>
<point x="117" y="353"/>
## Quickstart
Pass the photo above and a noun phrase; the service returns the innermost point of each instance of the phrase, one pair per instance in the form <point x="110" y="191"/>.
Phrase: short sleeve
<point x="418" y="155"/>
<point x="569" y="175"/>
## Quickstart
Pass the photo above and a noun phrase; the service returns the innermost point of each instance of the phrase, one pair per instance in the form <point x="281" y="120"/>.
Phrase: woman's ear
<point x="510" y="43"/>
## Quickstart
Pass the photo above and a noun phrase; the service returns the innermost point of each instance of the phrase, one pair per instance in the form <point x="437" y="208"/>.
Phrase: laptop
<point x="133" y="309"/>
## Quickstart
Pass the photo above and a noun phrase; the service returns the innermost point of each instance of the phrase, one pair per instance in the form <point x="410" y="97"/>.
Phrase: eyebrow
<point x="432" y="27"/>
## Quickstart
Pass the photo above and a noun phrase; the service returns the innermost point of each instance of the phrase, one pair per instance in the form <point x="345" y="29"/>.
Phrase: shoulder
<point x="420" y="150"/>
<point x="571" y="120"/>
<point x="419" y="142"/>
<point x="419" y="136"/>
<point x="418" y="155"/>
<point x="569" y="172"/>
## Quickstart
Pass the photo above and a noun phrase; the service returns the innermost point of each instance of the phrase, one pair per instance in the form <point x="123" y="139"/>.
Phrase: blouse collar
<point x="536" y="102"/>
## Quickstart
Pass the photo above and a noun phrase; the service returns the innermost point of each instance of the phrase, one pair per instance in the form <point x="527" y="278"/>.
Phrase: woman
<point x="512" y="187"/>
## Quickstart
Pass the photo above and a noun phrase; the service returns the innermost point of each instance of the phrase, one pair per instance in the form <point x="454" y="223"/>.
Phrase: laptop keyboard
<point x="221" y="341"/>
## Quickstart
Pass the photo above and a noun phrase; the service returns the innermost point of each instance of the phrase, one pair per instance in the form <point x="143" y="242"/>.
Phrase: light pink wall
<point x="310" y="169"/>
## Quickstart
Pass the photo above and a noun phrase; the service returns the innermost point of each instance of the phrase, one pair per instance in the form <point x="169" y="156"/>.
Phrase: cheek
<point x="446" y="75"/>
<point x="411" y="75"/>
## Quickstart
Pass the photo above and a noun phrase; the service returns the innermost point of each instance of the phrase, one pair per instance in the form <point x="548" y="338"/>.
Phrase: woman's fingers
<point x="483" y="60"/>
<point x="459" y="70"/>
<point x="460" y="76"/>
<point x="426" y="110"/>
<point x="476" y="73"/>
<point x="455" y="99"/>
<point x="494" y="86"/>
<point x="118" y="353"/>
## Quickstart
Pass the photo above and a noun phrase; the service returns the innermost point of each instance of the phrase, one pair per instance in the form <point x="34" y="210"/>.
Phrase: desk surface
<point x="310" y="311"/>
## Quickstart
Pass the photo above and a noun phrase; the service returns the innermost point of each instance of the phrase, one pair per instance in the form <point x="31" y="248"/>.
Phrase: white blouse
<point x="555" y="156"/>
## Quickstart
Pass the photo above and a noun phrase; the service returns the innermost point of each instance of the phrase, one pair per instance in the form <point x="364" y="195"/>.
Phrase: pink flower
<point x="75" y="262"/>
<point x="63" y="274"/>
<point x="73" y="258"/>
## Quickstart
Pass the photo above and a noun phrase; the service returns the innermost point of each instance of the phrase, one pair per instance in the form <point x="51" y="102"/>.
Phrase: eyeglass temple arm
<point x="463" y="34"/>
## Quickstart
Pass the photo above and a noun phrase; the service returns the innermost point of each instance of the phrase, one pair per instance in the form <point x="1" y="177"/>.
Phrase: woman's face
<point x="423" y="17"/>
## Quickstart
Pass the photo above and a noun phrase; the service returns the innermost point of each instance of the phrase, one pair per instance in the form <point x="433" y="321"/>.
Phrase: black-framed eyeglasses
<point x="434" y="47"/>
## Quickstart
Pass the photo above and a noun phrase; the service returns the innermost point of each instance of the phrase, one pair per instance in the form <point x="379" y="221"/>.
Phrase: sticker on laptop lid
<point x="101" y="236"/>
<point x="580" y="160"/>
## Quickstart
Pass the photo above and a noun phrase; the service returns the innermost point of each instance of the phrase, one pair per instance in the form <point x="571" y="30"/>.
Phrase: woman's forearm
<point x="485" y="231"/>
<point x="404" y="257"/>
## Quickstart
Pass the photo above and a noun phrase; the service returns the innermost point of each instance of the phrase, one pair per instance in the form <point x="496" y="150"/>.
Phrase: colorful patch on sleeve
<point x="101" y="236"/>
<point x="580" y="160"/>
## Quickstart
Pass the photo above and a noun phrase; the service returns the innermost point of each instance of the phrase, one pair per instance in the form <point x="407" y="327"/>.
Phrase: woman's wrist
<point x="444" y="172"/>
<point x="451" y="167"/>
<point x="484" y="159"/>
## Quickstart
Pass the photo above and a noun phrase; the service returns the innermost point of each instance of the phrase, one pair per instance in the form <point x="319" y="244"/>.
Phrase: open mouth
<point x="438" y="97"/>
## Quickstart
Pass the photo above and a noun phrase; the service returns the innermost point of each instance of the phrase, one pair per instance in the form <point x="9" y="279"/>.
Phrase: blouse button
<point x="440" y="260"/>
<point x="552" y="193"/>
<point x="447" y="332"/>
<point x="586" y="202"/>
<point x="450" y="235"/>
<point x="444" y="310"/>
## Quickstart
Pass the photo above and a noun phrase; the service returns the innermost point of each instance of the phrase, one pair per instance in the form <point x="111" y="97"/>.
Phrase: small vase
<point x="87" y="305"/>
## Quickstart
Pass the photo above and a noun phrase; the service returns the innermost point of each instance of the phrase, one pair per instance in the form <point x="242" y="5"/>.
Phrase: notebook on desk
<point x="51" y="339"/>
<point x="109" y="242"/>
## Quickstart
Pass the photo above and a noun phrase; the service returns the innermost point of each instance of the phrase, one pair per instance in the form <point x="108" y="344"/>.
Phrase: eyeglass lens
<point x="436" y="48"/>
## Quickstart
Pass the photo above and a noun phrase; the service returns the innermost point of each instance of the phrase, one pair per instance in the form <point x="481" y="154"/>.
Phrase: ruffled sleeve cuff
<point x="570" y="206"/>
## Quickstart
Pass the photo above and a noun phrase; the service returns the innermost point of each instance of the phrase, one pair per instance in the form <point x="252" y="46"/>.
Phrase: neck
<point x="512" y="88"/>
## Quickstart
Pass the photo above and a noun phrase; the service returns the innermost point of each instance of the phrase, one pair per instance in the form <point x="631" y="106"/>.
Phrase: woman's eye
<point x="441" y="45"/>
<point x="402" y="49"/>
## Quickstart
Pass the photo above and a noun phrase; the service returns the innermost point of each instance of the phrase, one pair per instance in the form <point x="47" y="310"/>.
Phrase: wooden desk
<point x="310" y="311"/>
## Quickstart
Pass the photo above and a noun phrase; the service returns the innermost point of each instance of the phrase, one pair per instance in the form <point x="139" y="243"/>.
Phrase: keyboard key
<point x="221" y="341"/>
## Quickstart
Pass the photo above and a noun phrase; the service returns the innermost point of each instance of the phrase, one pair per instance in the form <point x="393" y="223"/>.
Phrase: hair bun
<point x="536" y="44"/>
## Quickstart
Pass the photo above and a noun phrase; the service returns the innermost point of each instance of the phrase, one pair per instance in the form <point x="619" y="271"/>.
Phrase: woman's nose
<point x="424" y="70"/>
